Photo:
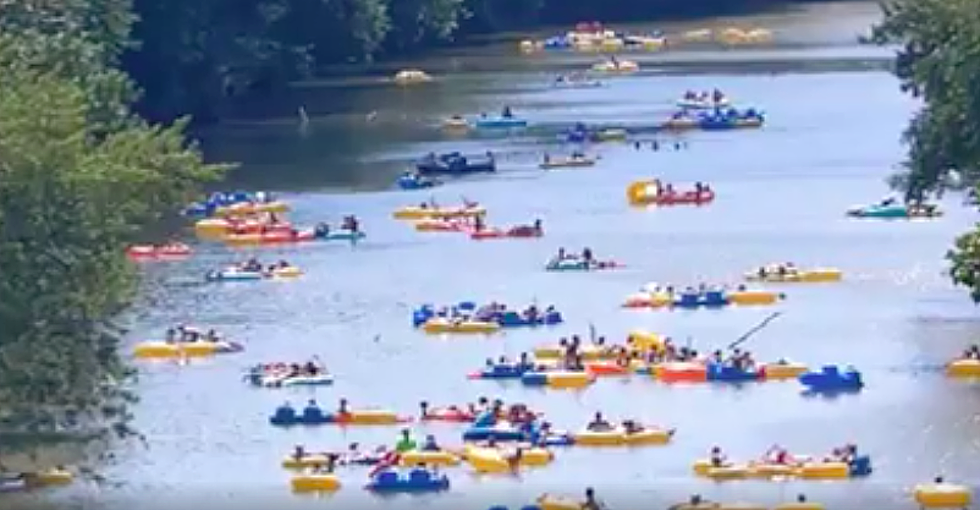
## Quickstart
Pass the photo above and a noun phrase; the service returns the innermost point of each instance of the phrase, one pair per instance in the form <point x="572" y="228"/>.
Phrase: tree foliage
<point x="80" y="177"/>
<point x="939" y="62"/>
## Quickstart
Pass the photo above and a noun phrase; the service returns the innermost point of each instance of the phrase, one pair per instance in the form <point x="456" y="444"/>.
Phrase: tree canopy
<point x="80" y="178"/>
<point x="939" y="62"/>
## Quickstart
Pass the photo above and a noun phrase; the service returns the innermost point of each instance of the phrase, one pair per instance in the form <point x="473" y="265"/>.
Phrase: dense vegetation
<point x="940" y="63"/>
<point x="80" y="176"/>
<point x="193" y="56"/>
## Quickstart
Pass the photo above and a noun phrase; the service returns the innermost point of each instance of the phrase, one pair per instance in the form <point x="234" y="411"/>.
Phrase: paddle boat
<point x="501" y="122"/>
<point x="615" y="66"/>
<point x="312" y="414"/>
<point x="578" y="264"/>
<point x="652" y="192"/>
<point x="469" y="312"/>
<point x="891" y="210"/>
<point x="169" y="251"/>
<point x="780" y="273"/>
<point x="417" y="480"/>
<point x="832" y="380"/>
<point x="515" y="232"/>
<point x="720" y="120"/>
<point x="411" y="77"/>
<point x="434" y="212"/>
<point x="414" y="181"/>
<point x="239" y="274"/>
<point x="456" y="163"/>
<point x="574" y="161"/>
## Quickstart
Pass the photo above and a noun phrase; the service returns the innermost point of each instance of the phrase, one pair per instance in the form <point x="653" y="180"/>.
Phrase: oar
<point x="754" y="330"/>
<point x="592" y="333"/>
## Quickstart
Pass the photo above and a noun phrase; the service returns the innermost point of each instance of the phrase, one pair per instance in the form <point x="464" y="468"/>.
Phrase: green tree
<point x="80" y="178"/>
<point x="939" y="62"/>
<point x="415" y="22"/>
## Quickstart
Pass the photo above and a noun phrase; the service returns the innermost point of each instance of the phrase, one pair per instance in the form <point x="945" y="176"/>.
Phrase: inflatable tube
<point x="315" y="483"/>
<point x="305" y="462"/>
<point x="784" y="370"/>
<point x="943" y="495"/>
<point x="440" y="326"/>
<point x="963" y="368"/>
<point x="418" y="458"/>
<point x="754" y="297"/>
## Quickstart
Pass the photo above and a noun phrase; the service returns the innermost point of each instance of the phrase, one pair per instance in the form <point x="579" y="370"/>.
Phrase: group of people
<point x="972" y="352"/>
<point x="187" y="334"/>
<point x="665" y="190"/>
<point x="784" y="269"/>
<point x="716" y="96"/>
<point x="311" y="368"/>
<point x="349" y="223"/>
<point x="253" y="265"/>
<point x="778" y="455"/>
<point x="586" y="256"/>
<point x="600" y="424"/>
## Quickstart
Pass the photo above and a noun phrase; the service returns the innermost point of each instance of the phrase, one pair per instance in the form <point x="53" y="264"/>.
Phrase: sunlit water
<point x="831" y="139"/>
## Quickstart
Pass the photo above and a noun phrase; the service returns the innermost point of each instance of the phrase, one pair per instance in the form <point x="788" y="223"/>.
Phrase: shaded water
<point x="831" y="139"/>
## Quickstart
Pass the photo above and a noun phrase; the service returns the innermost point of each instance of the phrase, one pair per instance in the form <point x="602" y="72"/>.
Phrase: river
<point x="835" y="117"/>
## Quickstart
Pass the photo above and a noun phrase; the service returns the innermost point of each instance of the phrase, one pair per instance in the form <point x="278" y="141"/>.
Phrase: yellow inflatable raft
<point x="943" y="495"/>
<point x="573" y="162"/>
<point x="494" y="460"/>
<point x="824" y="471"/>
<point x="741" y="471"/>
<point x="417" y="457"/>
<point x="652" y="436"/>
<point x="176" y="350"/>
<point x="248" y="208"/>
<point x="421" y="213"/>
<point x="963" y="368"/>
<point x="305" y="462"/>
<point x="645" y="341"/>
<point x="439" y="326"/>
<point x="754" y="297"/>
<point x="816" y="275"/>
<point x="371" y="417"/>
<point x="211" y="227"/>
<point x="412" y="76"/>
<point x="315" y="483"/>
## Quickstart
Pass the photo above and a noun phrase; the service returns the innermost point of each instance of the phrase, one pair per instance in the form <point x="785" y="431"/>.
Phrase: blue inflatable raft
<point x="711" y="298"/>
<point x="727" y="373"/>
<point x="287" y="416"/>
<point x="516" y="320"/>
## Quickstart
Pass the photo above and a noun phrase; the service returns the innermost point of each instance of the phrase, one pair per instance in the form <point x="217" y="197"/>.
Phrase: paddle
<point x="754" y="330"/>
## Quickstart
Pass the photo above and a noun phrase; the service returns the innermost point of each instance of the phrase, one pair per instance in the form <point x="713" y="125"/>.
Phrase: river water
<point x="834" y="120"/>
